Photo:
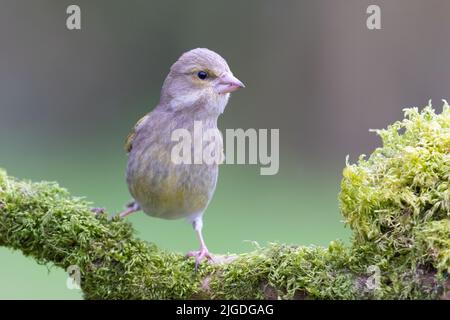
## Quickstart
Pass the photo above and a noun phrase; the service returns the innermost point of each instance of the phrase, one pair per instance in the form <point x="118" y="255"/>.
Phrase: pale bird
<point x="197" y="88"/>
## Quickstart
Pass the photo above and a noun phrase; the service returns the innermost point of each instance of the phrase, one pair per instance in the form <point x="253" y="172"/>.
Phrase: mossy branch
<point x="396" y="202"/>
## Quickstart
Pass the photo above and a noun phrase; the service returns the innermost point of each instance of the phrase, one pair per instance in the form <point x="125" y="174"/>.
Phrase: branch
<point x="43" y="221"/>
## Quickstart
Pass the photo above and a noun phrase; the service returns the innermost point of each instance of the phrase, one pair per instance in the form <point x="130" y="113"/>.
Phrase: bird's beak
<point x="227" y="83"/>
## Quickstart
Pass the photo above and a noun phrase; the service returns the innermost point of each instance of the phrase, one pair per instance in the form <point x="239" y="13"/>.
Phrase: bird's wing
<point x="129" y="141"/>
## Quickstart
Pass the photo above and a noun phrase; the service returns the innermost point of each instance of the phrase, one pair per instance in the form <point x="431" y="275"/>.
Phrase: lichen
<point x="397" y="203"/>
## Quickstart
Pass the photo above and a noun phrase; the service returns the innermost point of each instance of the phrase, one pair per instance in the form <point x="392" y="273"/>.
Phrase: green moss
<point x="397" y="203"/>
<point x="44" y="222"/>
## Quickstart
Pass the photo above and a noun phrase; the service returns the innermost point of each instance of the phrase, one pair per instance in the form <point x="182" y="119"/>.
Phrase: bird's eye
<point x="202" y="75"/>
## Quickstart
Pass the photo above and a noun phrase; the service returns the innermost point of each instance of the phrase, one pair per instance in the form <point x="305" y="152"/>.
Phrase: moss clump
<point x="45" y="222"/>
<point x="397" y="201"/>
<point x="288" y="272"/>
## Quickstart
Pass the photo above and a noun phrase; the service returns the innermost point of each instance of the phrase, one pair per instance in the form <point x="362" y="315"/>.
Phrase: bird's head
<point x="200" y="78"/>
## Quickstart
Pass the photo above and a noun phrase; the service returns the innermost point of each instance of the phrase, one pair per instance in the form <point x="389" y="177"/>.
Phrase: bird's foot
<point x="200" y="255"/>
<point x="98" y="211"/>
<point x="129" y="209"/>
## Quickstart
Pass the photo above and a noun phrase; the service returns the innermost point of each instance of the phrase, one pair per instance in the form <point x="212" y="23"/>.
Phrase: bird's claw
<point x="199" y="256"/>
<point x="129" y="209"/>
<point x="98" y="211"/>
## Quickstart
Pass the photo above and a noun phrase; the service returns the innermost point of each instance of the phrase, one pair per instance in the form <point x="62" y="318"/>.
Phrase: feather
<point x="129" y="141"/>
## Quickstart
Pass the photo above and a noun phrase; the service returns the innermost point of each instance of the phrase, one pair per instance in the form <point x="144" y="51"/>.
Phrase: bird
<point x="196" y="89"/>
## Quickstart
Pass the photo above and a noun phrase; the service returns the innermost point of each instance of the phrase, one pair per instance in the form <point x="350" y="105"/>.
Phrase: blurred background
<point x="69" y="98"/>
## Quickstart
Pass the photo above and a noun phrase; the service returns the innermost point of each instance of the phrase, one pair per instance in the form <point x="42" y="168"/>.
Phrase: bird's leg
<point x="130" y="208"/>
<point x="203" y="252"/>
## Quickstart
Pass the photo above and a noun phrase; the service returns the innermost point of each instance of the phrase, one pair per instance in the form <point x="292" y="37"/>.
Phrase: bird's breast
<point x="163" y="188"/>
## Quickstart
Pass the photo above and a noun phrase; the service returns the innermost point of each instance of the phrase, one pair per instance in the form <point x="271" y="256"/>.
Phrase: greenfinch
<point x="196" y="89"/>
